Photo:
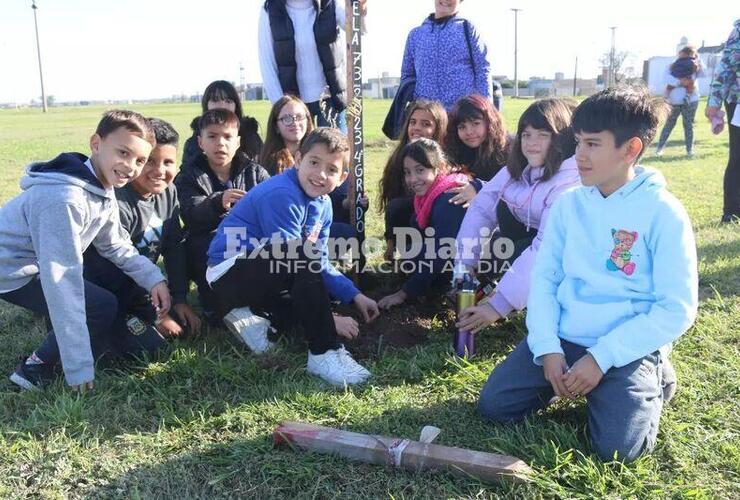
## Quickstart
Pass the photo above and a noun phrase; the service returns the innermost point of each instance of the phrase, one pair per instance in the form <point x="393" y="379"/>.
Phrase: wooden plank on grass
<point x="414" y="456"/>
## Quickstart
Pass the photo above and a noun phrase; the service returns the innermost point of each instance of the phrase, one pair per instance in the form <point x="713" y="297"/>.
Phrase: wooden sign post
<point x="355" y="123"/>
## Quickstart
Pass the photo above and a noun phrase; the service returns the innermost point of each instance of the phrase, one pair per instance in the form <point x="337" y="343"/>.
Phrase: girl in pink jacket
<point x="503" y="227"/>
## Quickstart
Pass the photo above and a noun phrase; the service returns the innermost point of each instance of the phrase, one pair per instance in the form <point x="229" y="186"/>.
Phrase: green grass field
<point x="199" y="423"/>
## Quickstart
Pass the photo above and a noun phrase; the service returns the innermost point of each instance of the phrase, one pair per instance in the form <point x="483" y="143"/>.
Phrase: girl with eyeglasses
<point x="289" y="122"/>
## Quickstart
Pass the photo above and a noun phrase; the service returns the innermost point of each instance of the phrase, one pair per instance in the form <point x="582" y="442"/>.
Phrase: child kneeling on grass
<point x="427" y="175"/>
<point x="513" y="209"/>
<point x="614" y="283"/>
<point x="275" y="239"/>
<point x="150" y="214"/>
<point x="67" y="205"/>
<point x="208" y="186"/>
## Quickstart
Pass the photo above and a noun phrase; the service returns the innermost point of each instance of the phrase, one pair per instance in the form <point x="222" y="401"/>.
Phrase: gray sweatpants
<point x="623" y="410"/>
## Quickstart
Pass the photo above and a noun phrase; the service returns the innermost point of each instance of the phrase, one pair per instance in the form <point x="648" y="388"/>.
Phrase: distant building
<point x="254" y="92"/>
<point x="384" y="87"/>
<point x="655" y="68"/>
<point x="584" y="87"/>
<point x="539" y="87"/>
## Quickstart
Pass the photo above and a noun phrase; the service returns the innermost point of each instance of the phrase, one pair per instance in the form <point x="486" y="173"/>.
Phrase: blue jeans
<point x="623" y="410"/>
<point x="687" y="113"/>
<point x="329" y="117"/>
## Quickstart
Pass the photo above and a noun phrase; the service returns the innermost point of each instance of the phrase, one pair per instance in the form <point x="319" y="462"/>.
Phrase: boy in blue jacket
<point x="275" y="239"/>
<point x="615" y="282"/>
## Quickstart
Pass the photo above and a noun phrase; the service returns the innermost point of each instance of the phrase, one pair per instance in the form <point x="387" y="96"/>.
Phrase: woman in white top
<point x="302" y="53"/>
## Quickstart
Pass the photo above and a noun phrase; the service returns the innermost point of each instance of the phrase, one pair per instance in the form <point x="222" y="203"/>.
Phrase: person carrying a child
<point x="682" y="93"/>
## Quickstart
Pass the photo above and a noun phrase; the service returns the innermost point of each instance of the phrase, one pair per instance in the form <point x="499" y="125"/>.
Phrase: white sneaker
<point x="337" y="367"/>
<point x="249" y="329"/>
<point x="659" y="152"/>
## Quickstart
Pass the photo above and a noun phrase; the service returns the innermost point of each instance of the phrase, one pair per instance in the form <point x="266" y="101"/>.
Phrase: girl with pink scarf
<point x="426" y="174"/>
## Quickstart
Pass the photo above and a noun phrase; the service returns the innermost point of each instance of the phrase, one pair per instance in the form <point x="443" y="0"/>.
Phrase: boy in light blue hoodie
<point x="615" y="282"/>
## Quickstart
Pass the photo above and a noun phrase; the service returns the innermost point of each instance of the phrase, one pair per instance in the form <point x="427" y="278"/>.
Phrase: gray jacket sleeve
<point x="113" y="244"/>
<point x="55" y="231"/>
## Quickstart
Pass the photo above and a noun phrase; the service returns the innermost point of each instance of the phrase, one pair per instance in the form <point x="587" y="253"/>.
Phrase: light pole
<point x="38" y="50"/>
<point x="516" y="50"/>
<point x="575" y="77"/>
<point x="612" y="69"/>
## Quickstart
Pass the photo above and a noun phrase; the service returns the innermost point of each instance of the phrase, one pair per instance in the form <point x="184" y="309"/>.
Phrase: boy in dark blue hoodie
<point x="275" y="239"/>
<point x="67" y="205"/>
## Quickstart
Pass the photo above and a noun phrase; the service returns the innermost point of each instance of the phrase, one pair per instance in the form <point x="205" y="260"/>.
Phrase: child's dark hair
<point x="486" y="160"/>
<point x="165" y="133"/>
<point x="391" y="184"/>
<point x="334" y="140"/>
<point x="130" y="120"/>
<point x="221" y="90"/>
<point x="218" y="117"/>
<point x="275" y="156"/>
<point x="552" y="115"/>
<point x="689" y="51"/>
<point x="426" y="153"/>
<point x="624" y="111"/>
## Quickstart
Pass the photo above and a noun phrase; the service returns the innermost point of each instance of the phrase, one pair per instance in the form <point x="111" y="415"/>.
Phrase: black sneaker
<point x="32" y="377"/>
<point x="730" y="218"/>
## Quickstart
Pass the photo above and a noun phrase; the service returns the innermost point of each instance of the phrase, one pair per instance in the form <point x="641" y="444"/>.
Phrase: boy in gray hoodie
<point x="68" y="204"/>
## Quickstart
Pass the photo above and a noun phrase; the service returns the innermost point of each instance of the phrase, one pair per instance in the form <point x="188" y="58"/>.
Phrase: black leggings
<point x="259" y="283"/>
<point x="398" y="213"/>
<point x="732" y="173"/>
<point x="509" y="227"/>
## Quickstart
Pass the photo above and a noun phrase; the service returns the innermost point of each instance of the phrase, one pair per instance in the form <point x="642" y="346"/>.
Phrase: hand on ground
<point x="367" y="307"/>
<point x="394" y="299"/>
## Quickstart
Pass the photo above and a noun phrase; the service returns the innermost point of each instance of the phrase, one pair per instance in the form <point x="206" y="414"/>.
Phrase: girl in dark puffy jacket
<point x="220" y="94"/>
<point x="477" y="144"/>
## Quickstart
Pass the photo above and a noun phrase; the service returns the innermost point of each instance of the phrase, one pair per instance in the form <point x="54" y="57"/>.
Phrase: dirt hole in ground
<point x="401" y="327"/>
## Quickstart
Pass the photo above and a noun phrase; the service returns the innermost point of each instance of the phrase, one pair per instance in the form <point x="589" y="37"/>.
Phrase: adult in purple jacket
<point x="446" y="57"/>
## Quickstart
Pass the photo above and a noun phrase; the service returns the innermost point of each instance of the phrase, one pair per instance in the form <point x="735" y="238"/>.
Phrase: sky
<point x="137" y="49"/>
